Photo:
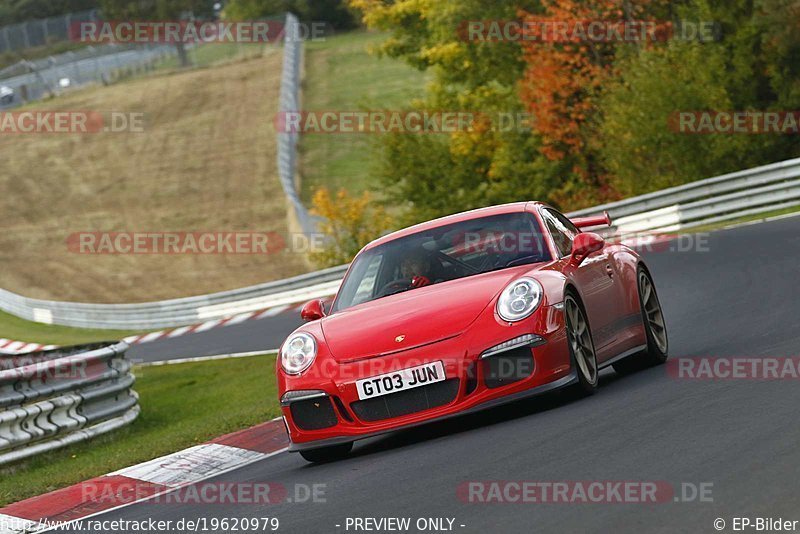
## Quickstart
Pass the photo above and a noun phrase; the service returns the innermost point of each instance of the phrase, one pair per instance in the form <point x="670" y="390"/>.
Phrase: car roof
<point x="513" y="207"/>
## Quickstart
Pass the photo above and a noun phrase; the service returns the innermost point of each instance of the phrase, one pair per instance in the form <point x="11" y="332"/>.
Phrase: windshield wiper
<point x="523" y="261"/>
<point x="515" y="263"/>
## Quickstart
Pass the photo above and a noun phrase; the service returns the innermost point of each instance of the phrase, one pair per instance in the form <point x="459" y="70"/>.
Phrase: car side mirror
<point x="584" y="244"/>
<point x="313" y="310"/>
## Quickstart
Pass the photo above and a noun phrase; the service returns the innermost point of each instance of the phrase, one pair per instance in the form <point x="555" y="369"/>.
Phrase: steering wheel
<point x="395" y="286"/>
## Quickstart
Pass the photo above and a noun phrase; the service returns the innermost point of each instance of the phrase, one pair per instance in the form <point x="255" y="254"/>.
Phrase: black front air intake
<point x="507" y="367"/>
<point x="313" y="414"/>
<point x="406" y="402"/>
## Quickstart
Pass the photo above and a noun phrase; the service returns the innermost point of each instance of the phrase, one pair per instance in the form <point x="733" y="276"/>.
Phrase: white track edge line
<point x="267" y="352"/>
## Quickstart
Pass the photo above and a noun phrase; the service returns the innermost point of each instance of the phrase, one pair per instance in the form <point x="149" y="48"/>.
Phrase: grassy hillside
<point x="341" y="75"/>
<point x="205" y="162"/>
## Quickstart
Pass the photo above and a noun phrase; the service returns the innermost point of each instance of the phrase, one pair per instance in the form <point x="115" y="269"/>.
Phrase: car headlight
<point x="519" y="299"/>
<point x="298" y="353"/>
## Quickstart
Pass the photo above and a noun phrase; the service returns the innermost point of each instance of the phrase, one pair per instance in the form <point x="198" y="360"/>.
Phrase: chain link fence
<point x="41" y="32"/>
<point x="27" y="81"/>
<point x="290" y="102"/>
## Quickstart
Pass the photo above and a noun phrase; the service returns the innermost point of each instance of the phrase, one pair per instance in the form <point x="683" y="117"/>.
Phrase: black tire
<point x="327" y="454"/>
<point x="657" y="349"/>
<point x="584" y="364"/>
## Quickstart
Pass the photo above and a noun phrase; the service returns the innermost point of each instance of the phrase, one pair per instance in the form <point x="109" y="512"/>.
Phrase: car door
<point x="596" y="279"/>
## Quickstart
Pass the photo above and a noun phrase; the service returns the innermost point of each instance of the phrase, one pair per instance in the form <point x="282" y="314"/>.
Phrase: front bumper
<point x="326" y="409"/>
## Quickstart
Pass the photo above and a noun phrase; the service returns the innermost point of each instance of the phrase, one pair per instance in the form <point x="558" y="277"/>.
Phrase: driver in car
<point x="417" y="268"/>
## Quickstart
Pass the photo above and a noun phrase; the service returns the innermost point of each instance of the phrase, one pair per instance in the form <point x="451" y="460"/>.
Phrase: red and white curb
<point x="214" y="323"/>
<point x="8" y="346"/>
<point x="145" y="481"/>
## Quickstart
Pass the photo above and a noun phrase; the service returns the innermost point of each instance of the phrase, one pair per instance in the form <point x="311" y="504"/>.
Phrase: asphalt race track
<point x="254" y="335"/>
<point x="735" y="293"/>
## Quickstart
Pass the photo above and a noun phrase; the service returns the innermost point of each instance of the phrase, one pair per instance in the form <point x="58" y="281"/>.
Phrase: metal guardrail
<point x="174" y="312"/>
<point x="41" y="32"/>
<point x="55" y="398"/>
<point x="721" y="198"/>
<point x="705" y="200"/>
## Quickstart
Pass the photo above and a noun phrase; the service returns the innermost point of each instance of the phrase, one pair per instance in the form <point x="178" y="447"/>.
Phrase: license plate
<point x="401" y="380"/>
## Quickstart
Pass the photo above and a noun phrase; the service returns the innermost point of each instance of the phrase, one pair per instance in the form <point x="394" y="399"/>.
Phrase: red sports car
<point x="463" y="313"/>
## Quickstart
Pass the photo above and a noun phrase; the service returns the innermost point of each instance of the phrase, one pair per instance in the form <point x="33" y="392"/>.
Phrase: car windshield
<point x="441" y="254"/>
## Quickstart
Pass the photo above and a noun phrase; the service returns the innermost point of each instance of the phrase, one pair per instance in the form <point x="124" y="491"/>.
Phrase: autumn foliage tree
<point x="348" y="223"/>
<point x="565" y="76"/>
<point x="599" y="106"/>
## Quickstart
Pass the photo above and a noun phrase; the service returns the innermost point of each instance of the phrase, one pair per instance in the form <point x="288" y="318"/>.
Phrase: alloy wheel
<point x="580" y="340"/>
<point x="652" y="312"/>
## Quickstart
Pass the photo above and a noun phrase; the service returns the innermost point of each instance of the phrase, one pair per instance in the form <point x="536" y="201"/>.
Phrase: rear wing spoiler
<point x="594" y="220"/>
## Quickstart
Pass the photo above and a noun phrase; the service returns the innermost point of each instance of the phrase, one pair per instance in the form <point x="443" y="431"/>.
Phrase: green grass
<point x="182" y="405"/>
<point x="342" y="75"/>
<point x="12" y="327"/>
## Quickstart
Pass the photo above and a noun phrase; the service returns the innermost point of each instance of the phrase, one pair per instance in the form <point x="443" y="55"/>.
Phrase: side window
<point x="562" y="230"/>
<point x="572" y="230"/>
<point x="366" y="288"/>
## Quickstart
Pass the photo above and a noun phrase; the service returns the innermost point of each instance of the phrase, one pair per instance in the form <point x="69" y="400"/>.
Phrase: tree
<point x="779" y="26"/>
<point x="334" y="12"/>
<point x="563" y="81"/>
<point x="13" y="11"/>
<point x="752" y="67"/>
<point x="600" y="109"/>
<point x="348" y="222"/>
<point x="639" y="149"/>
